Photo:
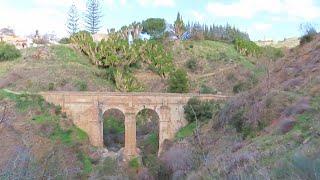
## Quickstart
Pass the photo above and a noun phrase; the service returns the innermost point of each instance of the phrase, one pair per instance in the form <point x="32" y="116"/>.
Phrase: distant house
<point x="144" y="36"/>
<point x="7" y="35"/>
<point x="99" y="36"/>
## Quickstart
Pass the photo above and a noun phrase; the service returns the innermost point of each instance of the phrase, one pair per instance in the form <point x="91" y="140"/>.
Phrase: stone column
<point x="164" y="126"/>
<point x="96" y="129"/>
<point x="130" y="147"/>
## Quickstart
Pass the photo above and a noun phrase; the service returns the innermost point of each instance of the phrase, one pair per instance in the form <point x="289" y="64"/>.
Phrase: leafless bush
<point x="21" y="165"/>
<point x="178" y="159"/>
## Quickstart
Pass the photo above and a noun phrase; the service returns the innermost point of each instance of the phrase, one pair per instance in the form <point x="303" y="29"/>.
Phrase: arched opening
<point x="147" y="121"/>
<point x="113" y="129"/>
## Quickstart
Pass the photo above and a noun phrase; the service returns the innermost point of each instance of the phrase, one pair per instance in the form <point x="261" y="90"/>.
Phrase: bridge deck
<point x="92" y="93"/>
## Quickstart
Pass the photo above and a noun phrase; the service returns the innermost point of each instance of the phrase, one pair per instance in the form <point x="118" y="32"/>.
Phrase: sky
<point x="262" y="19"/>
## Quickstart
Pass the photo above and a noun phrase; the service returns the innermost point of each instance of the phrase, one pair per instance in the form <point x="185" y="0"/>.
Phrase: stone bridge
<point x="86" y="110"/>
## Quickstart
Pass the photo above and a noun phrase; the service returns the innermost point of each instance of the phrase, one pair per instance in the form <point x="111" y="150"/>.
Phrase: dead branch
<point x="3" y="117"/>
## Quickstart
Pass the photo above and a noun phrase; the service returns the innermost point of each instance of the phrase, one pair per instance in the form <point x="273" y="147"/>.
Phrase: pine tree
<point x="73" y="19"/>
<point x="179" y="26"/>
<point x="93" y="16"/>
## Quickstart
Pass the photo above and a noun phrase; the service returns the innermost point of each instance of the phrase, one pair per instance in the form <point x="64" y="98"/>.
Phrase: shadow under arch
<point x="147" y="131"/>
<point x="113" y="129"/>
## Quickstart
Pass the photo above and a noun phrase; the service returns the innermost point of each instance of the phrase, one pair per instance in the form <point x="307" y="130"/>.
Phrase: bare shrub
<point x="21" y="165"/>
<point x="178" y="159"/>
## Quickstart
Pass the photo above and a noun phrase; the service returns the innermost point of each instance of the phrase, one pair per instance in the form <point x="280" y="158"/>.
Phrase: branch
<point x="3" y="118"/>
<point x="197" y="132"/>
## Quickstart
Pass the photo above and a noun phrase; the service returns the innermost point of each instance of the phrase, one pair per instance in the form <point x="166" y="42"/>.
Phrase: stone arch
<point x="147" y="131"/>
<point x="113" y="125"/>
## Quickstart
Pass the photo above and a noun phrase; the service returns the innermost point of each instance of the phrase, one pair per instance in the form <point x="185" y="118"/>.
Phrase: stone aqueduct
<point x="86" y="110"/>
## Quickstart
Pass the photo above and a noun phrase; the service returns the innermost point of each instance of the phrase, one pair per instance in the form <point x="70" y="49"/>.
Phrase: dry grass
<point x="57" y="65"/>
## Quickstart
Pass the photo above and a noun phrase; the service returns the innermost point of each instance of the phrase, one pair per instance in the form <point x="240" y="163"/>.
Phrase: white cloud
<point x="261" y="27"/>
<point x="302" y="9"/>
<point x="123" y="2"/>
<point x="157" y="3"/>
<point x="81" y="4"/>
<point x="197" y="15"/>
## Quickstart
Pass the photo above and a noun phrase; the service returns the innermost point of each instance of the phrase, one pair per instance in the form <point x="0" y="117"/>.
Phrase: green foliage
<point x="8" y="52"/>
<point x="192" y="64"/>
<point x="179" y="26"/>
<point x="25" y="101"/>
<point x="207" y="90"/>
<point x="309" y="32"/>
<point x="215" y="32"/>
<point x="82" y="85"/>
<point x="154" y="54"/>
<point x="51" y="124"/>
<point x="65" y="41"/>
<point x="152" y="143"/>
<point x="201" y="110"/>
<point x="178" y="82"/>
<point x="84" y="41"/>
<point x="113" y="124"/>
<point x="119" y="58"/>
<point x="93" y="16"/>
<point x="51" y="86"/>
<point x="73" y="20"/>
<point x="272" y="52"/>
<point x="247" y="47"/>
<point x="152" y="163"/>
<point x="186" y="131"/>
<point x="246" y="85"/>
<point x="238" y="121"/>
<point x="134" y="163"/>
<point x="86" y="163"/>
<point x="154" y="27"/>
<point x="108" y="167"/>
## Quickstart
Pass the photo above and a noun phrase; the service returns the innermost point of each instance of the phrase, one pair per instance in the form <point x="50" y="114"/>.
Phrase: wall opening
<point x="147" y="121"/>
<point x="113" y="129"/>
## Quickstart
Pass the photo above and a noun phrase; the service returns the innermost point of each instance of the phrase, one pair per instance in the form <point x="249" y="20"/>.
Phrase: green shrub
<point x="113" y="124"/>
<point x="192" y="64"/>
<point x="65" y="41"/>
<point x="178" y="82"/>
<point x="186" y="131"/>
<point x="86" y="163"/>
<point x="306" y="38"/>
<point x="309" y="33"/>
<point x="240" y="87"/>
<point x="247" y="47"/>
<point x="272" y="52"/>
<point x="8" y="52"/>
<point x="246" y="85"/>
<point x="202" y="110"/>
<point x="134" y="163"/>
<point x="238" y="121"/>
<point x="152" y="163"/>
<point x="81" y="86"/>
<point x="207" y="90"/>
<point x="51" y="86"/>
<point x="108" y="167"/>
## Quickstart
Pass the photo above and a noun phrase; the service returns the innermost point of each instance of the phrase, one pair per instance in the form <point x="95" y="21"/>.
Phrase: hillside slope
<point x="60" y="68"/>
<point x="269" y="132"/>
<point x="52" y="68"/>
<point x="38" y="141"/>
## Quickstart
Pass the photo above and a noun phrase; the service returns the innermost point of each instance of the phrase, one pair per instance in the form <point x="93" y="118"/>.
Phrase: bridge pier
<point x="130" y="147"/>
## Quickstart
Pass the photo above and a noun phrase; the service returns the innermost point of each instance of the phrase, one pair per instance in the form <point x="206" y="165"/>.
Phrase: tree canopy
<point x="154" y="27"/>
<point x="93" y="16"/>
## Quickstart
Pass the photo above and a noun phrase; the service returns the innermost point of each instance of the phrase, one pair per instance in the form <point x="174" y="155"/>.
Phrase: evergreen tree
<point x="179" y="26"/>
<point x="73" y="19"/>
<point x="93" y="16"/>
